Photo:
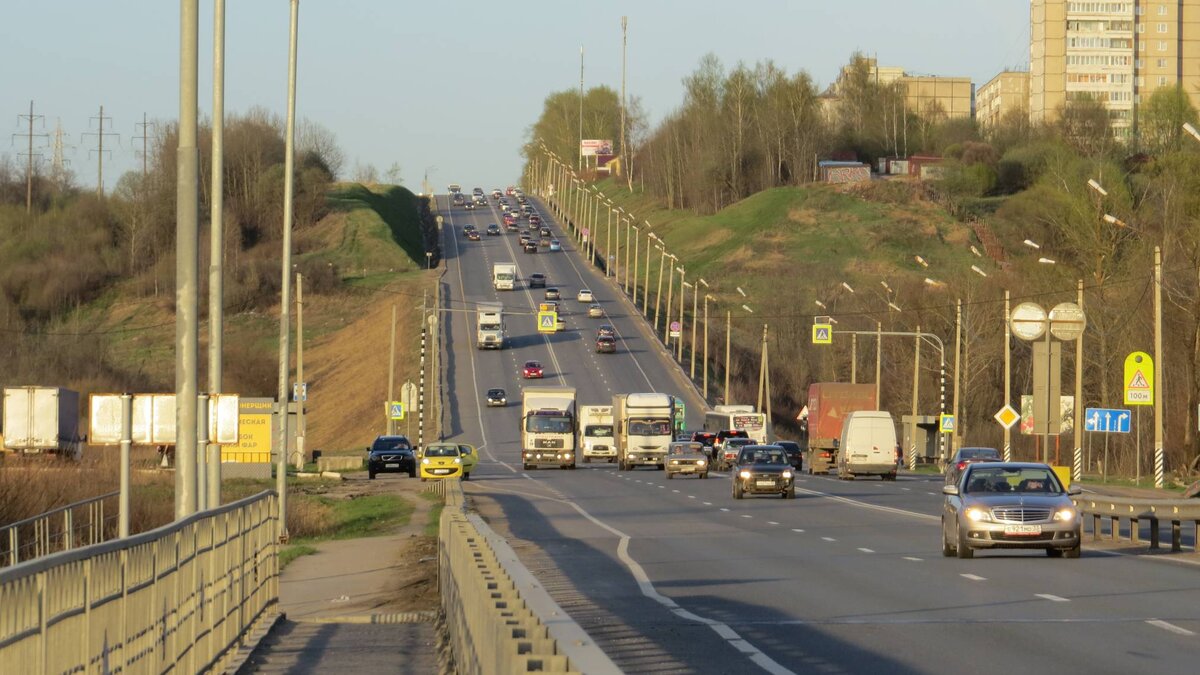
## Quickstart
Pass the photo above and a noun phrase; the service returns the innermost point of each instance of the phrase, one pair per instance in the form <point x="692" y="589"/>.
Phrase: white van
<point x="867" y="446"/>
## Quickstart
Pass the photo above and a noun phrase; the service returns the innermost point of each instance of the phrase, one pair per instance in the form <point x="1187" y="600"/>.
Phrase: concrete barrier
<point x="493" y="629"/>
<point x="339" y="462"/>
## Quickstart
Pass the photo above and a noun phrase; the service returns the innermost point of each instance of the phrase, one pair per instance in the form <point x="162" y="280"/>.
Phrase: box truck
<point x="828" y="405"/>
<point x="642" y="429"/>
<point x="548" y="427"/>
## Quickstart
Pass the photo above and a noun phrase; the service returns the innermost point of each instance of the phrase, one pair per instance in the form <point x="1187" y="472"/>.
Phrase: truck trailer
<point x="489" y="333"/>
<point x="548" y="427"/>
<point x="828" y="405"/>
<point x="42" y="420"/>
<point x="642" y="429"/>
<point x="596" y="433"/>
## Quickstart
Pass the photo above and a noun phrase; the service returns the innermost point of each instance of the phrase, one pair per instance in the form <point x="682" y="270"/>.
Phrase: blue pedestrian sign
<point x="947" y="424"/>
<point x="396" y="410"/>
<point x="1106" y="420"/>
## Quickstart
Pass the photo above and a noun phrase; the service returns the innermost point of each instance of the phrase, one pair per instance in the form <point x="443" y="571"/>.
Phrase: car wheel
<point x="1073" y="553"/>
<point x="612" y="460"/>
<point x="412" y="474"/>
<point x="790" y="493"/>
<point x="527" y="467"/>
<point x="467" y="475"/>
<point x="737" y="491"/>
<point x="947" y="549"/>
<point x="371" y="475"/>
<point x="587" y="460"/>
<point x="670" y="475"/>
<point x="424" y="479"/>
<point x="964" y="551"/>
<point x="704" y="475"/>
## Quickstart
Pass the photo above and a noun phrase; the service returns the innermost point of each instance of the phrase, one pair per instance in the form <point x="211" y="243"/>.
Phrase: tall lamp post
<point x="683" y="286"/>
<point x="695" y="303"/>
<point x="707" y="297"/>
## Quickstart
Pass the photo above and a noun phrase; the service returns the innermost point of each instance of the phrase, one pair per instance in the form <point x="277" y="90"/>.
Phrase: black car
<point x="497" y="397"/>
<point x="795" y="454"/>
<point x="763" y="469"/>
<point x="531" y="246"/>
<point x="967" y="456"/>
<point x="606" y="345"/>
<point x="493" y="229"/>
<point x="391" y="454"/>
<point x="537" y="280"/>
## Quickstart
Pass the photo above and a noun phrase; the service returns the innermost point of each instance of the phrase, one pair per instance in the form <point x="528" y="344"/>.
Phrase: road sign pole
<point x="1159" y="453"/>
<point x="1007" y="376"/>
<point x="1078" y="464"/>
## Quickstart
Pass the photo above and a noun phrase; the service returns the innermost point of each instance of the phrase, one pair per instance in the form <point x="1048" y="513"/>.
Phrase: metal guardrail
<point x="1134" y="511"/>
<point x="491" y="628"/>
<point x="184" y="596"/>
<point x="59" y="529"/>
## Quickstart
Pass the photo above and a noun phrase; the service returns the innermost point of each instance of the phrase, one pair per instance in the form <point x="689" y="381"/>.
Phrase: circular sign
<point x="439" y="220"/>
<point x="675" y="326"/>
<point x="1028" y="321"/>
<point x="1067" y="321"/>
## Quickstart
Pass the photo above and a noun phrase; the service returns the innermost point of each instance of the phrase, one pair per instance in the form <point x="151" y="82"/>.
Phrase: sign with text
<point x="1139" y="379"/>
<point x="590" y="147"/>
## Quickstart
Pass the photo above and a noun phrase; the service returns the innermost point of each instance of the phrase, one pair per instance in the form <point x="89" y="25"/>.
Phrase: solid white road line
<point x="1178" y="630"/>
<point x="1051" y="598"/>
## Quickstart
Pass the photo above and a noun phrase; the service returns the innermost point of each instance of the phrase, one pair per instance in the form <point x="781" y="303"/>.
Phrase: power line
<point x="145" y="139"/>
<point x="100" y="133"/>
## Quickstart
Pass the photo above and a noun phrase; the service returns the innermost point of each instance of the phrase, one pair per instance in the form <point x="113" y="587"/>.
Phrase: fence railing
<point x="1125" y="516"/>
<point x="182" y="597"/>
<point x="81" y="523"/>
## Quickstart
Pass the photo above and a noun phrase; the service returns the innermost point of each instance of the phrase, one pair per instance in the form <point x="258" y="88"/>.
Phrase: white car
<point x="584" y="295"/>
<point x="596" y="312"/>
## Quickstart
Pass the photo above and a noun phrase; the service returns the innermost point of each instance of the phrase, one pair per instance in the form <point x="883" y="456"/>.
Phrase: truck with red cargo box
<point x="828" y="405"/>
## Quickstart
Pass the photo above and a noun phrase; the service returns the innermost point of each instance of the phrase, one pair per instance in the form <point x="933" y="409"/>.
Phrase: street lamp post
<point x="608" y="251"/>
<point x="683" y="286"/>
<point x="637" y="235"/>
<point x="670" y="294"/>
<point x="658" y="292"/>
<point x="705" y="368"/>
<point x="695" y="301"/>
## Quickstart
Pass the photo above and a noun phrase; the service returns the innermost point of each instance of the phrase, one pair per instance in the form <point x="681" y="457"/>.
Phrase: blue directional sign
<point x="1106" y="420"/>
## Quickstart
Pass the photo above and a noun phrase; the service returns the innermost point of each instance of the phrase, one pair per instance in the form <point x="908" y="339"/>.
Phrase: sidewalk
<point x="360" y="605"/>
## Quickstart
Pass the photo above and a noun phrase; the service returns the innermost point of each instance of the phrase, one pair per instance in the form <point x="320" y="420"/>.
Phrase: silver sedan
<point x="1009" y="505"/>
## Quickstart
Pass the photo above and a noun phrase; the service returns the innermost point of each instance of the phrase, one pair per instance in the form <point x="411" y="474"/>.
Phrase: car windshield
<point x="599" y="431"/>
<point x="391" y="444"/>
<point x="1013" y="480"/>
<point x="533" y="364"/>
<point x="649" y="428"/>
<point x="441" y="451"/>
<point x="684" y="449"/>
<point x="496" y="393"/>
<point x="548" y="424"/>
<point x="764" y="457"/>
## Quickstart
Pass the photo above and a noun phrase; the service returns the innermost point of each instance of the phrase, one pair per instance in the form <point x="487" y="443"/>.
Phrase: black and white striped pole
<point x="421" y="383"/>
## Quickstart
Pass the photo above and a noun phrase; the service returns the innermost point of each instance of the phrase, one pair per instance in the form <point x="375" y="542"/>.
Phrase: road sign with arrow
<point x="1106" y="420"/>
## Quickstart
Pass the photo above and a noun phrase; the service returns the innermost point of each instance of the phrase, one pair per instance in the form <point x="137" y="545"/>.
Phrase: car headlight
<point x="978" y="514"/>
<point x="701" y="463"/>
<point x="743" y="474"/>
<point x="566" y="455"/>
<point x="786" y="475"/>
<point x="458" y="460"/>
<point x="1064" y="515"/>
<point x="425" y="461"/>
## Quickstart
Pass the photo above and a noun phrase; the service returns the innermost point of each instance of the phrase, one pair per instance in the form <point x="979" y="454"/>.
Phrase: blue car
<point x="554" y="245"/>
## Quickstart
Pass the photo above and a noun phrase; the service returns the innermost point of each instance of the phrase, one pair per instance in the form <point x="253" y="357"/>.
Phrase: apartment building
<point x="1002" y="94"/>
<point x="1119" y="51"/>
<point x="952" y="96"/>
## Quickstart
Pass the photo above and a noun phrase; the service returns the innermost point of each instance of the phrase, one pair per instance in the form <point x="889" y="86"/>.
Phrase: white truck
<point x="489" y="332"/>
<point x="504" y="276"/>
<point x="42" y="419"/>
<point x="739" y="417"/>
<point x="548" y="427"/>
<point x="642" y="429"/>
<point x="596" y="433"/>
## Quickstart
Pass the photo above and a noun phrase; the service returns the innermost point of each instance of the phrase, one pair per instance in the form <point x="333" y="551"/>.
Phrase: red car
<point x="510" y="219"/>
<point x="532" y="370"/>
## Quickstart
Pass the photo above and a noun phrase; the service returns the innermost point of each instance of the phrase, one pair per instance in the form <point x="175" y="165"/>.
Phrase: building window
<point x="1138" y="64"/>
<point x="1162" y="10"/>
<point x="1162" y="79"/>
<point x="1162" y="63"/>
<point x="1162" y="27"/>
<point x="1162" y="46"/>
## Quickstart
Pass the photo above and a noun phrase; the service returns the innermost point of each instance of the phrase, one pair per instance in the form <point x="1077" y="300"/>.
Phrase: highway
<point x="677" y="576"/>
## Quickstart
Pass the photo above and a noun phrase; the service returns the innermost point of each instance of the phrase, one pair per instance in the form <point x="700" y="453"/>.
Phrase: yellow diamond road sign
<point x="1007" y="416"/>
<point x="822" y="334"/>
<point x="547" y="321"/>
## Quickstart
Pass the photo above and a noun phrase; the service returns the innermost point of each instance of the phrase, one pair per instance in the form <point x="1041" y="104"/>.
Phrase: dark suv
<point x="391" y="454"/>
<point x="537" y="280"/>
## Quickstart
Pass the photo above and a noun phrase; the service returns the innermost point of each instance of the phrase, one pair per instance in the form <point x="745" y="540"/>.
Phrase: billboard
<point x="590" y="147"/>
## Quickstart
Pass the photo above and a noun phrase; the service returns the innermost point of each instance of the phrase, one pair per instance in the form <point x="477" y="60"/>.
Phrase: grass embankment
<point x="328" y="519"/>
<point x="435" y="513"/>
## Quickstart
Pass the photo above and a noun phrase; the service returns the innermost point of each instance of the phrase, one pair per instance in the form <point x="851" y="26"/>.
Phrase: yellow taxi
<point x="470" y="457"/>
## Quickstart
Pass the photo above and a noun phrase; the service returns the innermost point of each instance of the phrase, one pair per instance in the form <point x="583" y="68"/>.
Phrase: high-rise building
<point x="1118" y="51"/>
<point x="1004" y="93"/>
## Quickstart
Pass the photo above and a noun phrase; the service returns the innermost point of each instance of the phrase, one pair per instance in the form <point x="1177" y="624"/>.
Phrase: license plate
<point x="687" y="469"/>
<point x="392" y="466"/>
<point x="1023" y="529"/>
<point x="440" y="471"/>
<point x="765" y="483"/>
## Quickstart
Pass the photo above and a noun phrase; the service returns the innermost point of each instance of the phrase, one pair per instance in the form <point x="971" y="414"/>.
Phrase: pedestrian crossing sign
<point x="947" y="424"/>
<point x="396" y="410"/>
<point x="822" y="334"/>
<point x="547" y="322"/>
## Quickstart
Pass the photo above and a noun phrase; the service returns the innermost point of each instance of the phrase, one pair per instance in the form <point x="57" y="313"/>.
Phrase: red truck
<point x="828" y="405"/>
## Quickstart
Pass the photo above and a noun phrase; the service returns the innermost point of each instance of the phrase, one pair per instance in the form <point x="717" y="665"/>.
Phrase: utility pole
<point x="955" y="441"/>
<point x="1159" y="452"/>
<point x="387" y="417"/>
<point x="916" y="402"/>
<point x="580" y="108"/>
<point x="683" y="285"/>
<point x="706" y="297"/>
<point x="695" y="301"/>
<point x="58" y="163"/>
<point x="187" y="263"/>
<point x="728" y="325"/>
<point x="216" y="234"/>
<point x="289" y="184"/>
<point x="878" y="360"/>
<point x="30" y="156"/>
<point x="144" y="126"/>
<point x="1077" y="466"/>
<point x="762" y="370"/>
<point x="100" y="133"/>
<point x="670" y="294"/>
<point x="625" y="157"/>
<point x="300" y="384"/>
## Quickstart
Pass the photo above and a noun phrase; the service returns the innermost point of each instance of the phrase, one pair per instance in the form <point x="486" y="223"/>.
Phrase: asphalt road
<point x="677" y="576"/>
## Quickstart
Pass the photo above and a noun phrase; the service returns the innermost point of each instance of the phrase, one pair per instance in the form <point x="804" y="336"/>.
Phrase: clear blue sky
<point x="452" y="87"/>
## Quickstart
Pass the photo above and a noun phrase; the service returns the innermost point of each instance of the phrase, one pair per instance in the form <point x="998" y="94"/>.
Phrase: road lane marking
<point x="909" y="557"/>
<point x="647" y="588"/>
<point x="1178" y="630"/>
<point x="906" y="489"/>
<point x="828" y="538"/>
<point x="973" y="577"/>
<point x="708" y="503"/>
<point x="725" y="509"/>
<point x="930" y="493"/>
<point x="746" y="515"/>
<point x="676" y="491"/>
<point x="771" y="522"/>
<point x="796" y="529"/>
<point x="866" y="550"/>
<point x="1051" y="598"/>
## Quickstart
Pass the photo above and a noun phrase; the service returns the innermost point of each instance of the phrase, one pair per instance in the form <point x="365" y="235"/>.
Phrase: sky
<point x="449" y="90"/>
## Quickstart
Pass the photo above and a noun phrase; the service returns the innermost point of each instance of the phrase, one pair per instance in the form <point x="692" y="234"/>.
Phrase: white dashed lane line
<point x="725" y="509"/>
<point x="796" y="529"/>
<point x="828" y="539"/>
<point x="1178" y="630"/>
<point x="771" y="522"/>
<point x="866" y="550"/>
<point x="973" y="577"/>
<point x="1051" y="598"/>
<point x="708" y="503"/>
<point x="909" y="557"/>
<point x="746" y="515"/>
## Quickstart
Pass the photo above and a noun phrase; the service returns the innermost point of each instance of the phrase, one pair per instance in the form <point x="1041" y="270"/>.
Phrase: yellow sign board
<point x="254" y="432"/>
<point x="1139" y="379"/>
<point x="547" y="322"/>
<point x="395" y="410"/>
<point x="822" y="334"/>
